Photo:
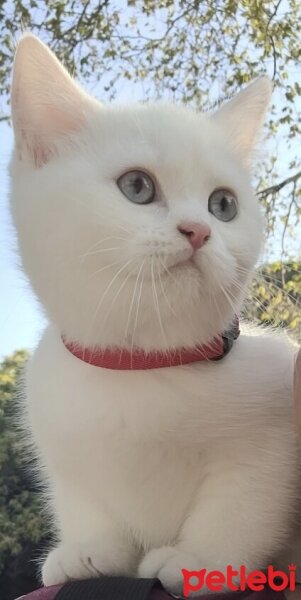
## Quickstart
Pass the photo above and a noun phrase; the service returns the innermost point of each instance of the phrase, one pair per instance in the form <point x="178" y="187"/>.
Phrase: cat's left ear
<point x="48" y="107"/>
<point x="242" y="117"/>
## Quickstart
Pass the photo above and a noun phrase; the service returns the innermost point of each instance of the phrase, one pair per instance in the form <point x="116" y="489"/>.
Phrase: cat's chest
<point x="141" y="482"/>
<point x="196" y="403"/>
<point x="145" y="437"/>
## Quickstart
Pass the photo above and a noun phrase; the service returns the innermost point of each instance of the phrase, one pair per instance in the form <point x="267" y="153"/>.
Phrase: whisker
<point x="163" y="291"/>
<point x="156" y="301"/>
<point x="102" y="250"/>
<point x="111" y="237"/>
<point x="123" y="228"/>
<point x="169" y="273"/>
<point x="104" y="268"/>
<point x="132" y="304"/>
<point x="107" y="290"/>
<point x="228" y="298"/>
<point x="117" y="295"/>
<point x="137" y="309"/>
<point x="212" y="294"/>
<point x="272" y="285"/>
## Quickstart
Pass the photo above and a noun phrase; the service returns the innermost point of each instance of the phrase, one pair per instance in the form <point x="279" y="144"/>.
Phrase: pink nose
<point x="197" y="233"/>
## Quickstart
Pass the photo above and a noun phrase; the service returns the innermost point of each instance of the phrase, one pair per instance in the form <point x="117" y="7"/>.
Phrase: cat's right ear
<point x="48" y="107"/>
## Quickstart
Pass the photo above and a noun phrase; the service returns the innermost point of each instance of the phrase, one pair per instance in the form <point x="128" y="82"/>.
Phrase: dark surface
<point x="93" y="590"/>
<point x="108" y="588"/>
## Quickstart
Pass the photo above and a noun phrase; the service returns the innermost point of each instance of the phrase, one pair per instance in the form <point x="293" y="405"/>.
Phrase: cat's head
<point x="137" y="224"/>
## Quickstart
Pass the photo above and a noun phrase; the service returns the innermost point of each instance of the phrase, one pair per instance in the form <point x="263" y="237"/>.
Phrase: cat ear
<point x="242" y="117"/>
<point x="47" y="105"/>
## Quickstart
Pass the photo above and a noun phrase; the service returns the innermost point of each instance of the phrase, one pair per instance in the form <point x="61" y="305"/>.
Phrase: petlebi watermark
<point x="239" y="580"/>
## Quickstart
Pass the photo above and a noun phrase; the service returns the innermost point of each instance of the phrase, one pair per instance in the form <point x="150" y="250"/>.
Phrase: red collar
<point x="126" y="360"/>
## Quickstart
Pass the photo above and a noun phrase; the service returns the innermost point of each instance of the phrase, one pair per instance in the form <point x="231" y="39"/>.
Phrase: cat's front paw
<point x="68" y="562"/>
<point x="166" y="564"/>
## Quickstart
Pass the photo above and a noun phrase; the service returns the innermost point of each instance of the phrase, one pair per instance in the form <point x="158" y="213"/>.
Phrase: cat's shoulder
<point x="266" y="348"/>
<point x="265" y="336"/>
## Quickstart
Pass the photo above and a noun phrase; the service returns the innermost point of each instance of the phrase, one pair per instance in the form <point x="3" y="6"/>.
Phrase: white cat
<point x="138" y="230"/>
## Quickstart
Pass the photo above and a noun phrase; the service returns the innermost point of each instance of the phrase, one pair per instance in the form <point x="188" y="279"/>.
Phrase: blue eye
<point x="223" y="205"/>
<point x="137" y="186"/>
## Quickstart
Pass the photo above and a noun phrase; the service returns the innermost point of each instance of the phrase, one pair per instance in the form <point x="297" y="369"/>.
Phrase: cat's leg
<point x="235" y="520"/>
<point x="91" y="543"/>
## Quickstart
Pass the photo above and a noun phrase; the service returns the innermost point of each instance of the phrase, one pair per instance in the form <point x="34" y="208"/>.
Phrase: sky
<point x="21" y="321"/>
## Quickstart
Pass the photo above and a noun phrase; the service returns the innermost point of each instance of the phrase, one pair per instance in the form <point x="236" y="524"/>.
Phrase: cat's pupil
<point x="138" y="184"/>
<point x="224" y="204"/>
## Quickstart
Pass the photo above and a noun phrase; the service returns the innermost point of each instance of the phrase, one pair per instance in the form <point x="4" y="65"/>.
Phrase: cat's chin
<point x="185" y="267"/>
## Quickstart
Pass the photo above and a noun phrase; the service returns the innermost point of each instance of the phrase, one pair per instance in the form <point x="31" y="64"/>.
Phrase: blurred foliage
<point x="22" y="527"/>
<point x="189" y="51"/>
<point x="275" y="297"/>
<point x="186" y="47"/>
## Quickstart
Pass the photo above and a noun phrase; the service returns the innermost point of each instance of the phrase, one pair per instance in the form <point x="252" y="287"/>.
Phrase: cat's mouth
<point x="184" y="265"/>
<point x="181" y="259"/>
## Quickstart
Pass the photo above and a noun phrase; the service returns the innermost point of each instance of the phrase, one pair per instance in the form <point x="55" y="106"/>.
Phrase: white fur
<point x="150" y="471"/>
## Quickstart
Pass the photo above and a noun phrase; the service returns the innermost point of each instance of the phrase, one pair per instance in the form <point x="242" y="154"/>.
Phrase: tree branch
<point x="273" y="189"/>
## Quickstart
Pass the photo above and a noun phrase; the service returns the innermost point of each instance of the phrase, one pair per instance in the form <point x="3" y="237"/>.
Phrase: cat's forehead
<point x="157" y="124"/>
<point x="159" y="136"/>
